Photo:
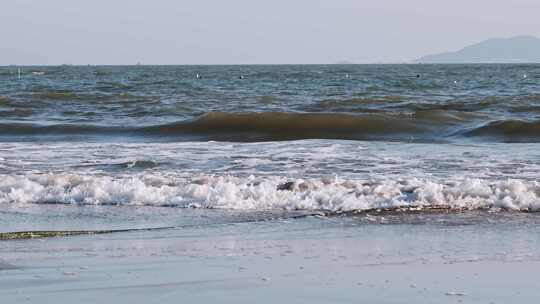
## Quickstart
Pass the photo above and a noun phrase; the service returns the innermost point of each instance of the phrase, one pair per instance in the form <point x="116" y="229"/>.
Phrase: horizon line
<point x="267" y="64"/>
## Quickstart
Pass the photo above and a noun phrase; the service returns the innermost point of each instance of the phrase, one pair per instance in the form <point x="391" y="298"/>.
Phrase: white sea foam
<point x="230" y="192"/>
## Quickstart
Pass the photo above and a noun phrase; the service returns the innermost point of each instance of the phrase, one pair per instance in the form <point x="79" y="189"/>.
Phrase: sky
<point x="38" y="32"/>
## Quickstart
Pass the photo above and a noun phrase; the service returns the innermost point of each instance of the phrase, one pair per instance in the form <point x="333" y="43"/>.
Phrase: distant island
<point x="345" y="62"/>
<point x="521" y="49"/>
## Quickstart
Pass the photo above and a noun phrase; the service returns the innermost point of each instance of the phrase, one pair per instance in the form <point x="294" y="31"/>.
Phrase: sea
<point x="151" y="147"/>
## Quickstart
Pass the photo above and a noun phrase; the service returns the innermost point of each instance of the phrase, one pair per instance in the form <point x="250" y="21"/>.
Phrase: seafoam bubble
<point x="263" y="193"/>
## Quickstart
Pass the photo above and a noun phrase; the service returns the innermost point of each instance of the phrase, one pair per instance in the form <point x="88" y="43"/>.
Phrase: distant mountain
<point x="521" y="49"/>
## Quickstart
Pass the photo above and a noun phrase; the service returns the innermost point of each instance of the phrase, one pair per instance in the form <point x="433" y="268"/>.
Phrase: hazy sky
<point x="251" y="31"/>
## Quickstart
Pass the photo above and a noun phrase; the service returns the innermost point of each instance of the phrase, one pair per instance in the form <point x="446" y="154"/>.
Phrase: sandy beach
<point x="310" y="260"/>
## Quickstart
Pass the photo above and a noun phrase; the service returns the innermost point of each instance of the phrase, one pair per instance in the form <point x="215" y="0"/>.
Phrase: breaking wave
<point x="268" y="193"/>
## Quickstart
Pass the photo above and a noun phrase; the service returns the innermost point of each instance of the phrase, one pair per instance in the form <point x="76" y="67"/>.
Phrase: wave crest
<point x="509" y="130"/>
<point x="275" y="126"/>
<point x="426" y="125"/>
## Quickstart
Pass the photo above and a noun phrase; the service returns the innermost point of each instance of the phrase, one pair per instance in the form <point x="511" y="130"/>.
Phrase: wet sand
<point x="311" y="260"/>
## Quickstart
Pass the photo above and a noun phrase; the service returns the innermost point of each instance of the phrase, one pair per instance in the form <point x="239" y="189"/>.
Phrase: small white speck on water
<point x="455" y="293"/>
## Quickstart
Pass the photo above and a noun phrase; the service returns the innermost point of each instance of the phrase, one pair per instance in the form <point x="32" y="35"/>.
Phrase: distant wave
<point x="56" y="95"/>
<point x="125" y="102"/>
<point x="83" y="97"/>
<point x="4" y="99"/>
<point x="480" y="106"/>
<point x="17" y="129"/>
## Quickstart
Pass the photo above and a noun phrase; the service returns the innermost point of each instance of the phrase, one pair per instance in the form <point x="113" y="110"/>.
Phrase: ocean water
<point x="105" y="147"/>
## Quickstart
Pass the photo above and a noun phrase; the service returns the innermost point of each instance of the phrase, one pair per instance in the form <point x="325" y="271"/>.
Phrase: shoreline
<point x="310" y="260"/>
